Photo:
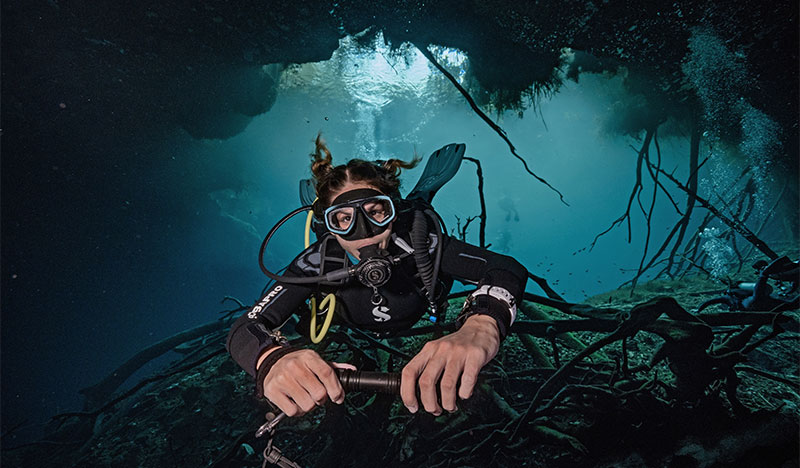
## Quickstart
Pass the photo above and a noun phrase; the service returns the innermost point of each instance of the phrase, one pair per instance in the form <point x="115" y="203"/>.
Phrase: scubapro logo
<point x="380" y="313"/>
<point x="254" y="312"/>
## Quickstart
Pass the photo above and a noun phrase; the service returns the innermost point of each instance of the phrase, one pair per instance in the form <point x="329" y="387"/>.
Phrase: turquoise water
<point x="133" y="203"/>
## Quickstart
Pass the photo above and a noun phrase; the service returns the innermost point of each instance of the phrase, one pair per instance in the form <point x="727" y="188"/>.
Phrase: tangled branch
<point x="427" y="53"/>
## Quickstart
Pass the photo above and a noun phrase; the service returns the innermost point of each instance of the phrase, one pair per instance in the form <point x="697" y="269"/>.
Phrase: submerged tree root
<point x="661" y="367"/>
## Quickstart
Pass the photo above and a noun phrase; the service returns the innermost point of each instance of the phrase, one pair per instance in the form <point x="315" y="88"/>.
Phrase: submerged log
<point x="101" y="391"/>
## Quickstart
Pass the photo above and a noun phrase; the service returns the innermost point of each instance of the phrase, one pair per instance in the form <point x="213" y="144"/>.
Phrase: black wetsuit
<point x="404" y="304"/>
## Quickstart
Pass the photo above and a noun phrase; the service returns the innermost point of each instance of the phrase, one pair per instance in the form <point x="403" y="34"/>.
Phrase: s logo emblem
<point x="380" y="313"/>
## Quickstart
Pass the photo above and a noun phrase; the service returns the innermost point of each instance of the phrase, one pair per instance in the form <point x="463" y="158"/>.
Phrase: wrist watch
<point x="480" y="302"/>
<point x="498" y="293"/>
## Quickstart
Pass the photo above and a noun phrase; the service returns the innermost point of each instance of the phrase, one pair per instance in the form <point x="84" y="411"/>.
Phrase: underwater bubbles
<point x="377" y="80"/>
<point x="718" y="76"/>
<point x="720" y="254"/>
<point x="721" y="81"/>
<point x="760" y="143"/>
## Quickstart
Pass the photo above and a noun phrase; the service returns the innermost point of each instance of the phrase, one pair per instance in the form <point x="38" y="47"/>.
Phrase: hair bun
<point x="393" y="166"/>
<point x="383" y="175"/>
<point x="321" y="165"/>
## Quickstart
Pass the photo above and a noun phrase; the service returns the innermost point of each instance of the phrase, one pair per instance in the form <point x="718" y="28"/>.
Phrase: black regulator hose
<point x="428" y="270"/>
<point x="438" y="260"/>
<point x="332" y="276"/>
<point x="365" y="381"/>
<point x="419" y="240"/>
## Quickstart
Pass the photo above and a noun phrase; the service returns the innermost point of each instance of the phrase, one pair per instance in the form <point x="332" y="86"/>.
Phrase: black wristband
<point x="486" y="305"/>
<point x="269" y="361"/>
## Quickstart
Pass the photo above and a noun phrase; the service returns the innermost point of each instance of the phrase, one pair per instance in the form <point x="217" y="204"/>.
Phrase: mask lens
<point x="341" y="218"/>
<point x="378" y="210"/>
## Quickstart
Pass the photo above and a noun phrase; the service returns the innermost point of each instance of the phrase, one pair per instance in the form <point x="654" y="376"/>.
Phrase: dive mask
<point x="359" y="214"/>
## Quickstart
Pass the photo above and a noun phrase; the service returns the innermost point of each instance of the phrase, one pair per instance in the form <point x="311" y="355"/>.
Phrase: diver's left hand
<point x="457" y="357"/>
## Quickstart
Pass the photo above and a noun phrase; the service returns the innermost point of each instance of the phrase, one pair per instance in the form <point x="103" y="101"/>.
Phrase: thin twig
<point x="637" y="186"/>
<point x="483" y="201"/>
<point x="427" y="53"/>
<point x="732" y="222"/>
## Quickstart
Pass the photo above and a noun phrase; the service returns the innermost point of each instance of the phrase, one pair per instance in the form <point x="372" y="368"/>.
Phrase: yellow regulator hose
<point x="329" y="301"/>
<point x="308" y="227"/>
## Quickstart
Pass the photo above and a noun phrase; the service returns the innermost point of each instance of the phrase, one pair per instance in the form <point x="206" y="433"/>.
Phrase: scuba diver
<point x="383" y="261"/>
<point x="759" y="296"/>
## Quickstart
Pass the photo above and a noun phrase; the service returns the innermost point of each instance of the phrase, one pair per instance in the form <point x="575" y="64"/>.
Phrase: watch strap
<point x="484" y="304"/>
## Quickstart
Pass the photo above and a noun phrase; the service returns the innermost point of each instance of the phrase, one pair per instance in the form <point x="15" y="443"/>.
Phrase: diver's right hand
<point x="300" y="381"/>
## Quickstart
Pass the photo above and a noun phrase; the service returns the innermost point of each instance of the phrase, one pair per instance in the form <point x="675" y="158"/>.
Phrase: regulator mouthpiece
<point x="375" y="267"/>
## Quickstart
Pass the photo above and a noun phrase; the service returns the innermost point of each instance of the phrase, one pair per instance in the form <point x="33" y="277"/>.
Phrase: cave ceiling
<point x="146" y="65"/>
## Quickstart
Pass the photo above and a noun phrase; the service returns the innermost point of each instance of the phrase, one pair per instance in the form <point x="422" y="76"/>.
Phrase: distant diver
<point x="759" y="296"/>
<point x="507" y="204"/>
<point x="378" y="264"/>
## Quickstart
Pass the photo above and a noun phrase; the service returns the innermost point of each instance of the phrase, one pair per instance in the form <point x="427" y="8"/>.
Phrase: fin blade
<point x="442" y="165"/>
<point x="307" y="192"/>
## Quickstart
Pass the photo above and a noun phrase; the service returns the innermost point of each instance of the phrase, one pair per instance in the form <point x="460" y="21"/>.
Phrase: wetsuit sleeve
<point x="250" y="334"/>
<point x="473" y="264"/>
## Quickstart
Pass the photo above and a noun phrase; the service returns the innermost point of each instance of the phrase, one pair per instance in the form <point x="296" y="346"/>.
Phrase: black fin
<point x="442" y="165"/>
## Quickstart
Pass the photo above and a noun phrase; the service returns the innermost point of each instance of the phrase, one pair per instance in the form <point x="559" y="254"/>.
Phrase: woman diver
<point x="387" y="262"/>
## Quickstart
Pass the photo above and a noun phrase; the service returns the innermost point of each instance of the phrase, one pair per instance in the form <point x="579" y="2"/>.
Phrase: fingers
<point x="448" y="384"/>
<point x="427" y="384"/>
<point x="302" y="398"/>
<point x="408" y="383"/>
<point x="450" y="364"/>
<point x="290" y="397"/>
<point x="285" y="404"/>
<point x="343" y="365"/>
<point x="300" y="381"/>
<point x="469" y="377"/>
<point x="326" y="375"/>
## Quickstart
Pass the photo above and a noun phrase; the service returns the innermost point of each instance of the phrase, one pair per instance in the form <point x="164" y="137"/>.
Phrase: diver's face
<point x="352" y="246"/>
